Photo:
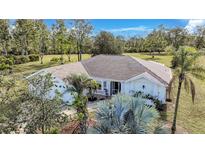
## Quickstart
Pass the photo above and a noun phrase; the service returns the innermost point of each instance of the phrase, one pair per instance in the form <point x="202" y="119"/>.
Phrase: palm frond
<point x="186" y="84"/>
<point x="198" y="72"/>
<point x="191" y="59"/>
<point x="78" y="82"/>
<point x="198" y="76"/>
<point x="170" y="87"/>
<point x="193" y="91"/>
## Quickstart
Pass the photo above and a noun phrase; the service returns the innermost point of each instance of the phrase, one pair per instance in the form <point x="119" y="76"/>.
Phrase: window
<point x="104" y="85"/>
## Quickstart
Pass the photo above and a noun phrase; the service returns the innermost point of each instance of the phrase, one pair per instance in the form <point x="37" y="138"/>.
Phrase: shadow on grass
<point x="152" y="59"/>
<point x="155" y="54"/>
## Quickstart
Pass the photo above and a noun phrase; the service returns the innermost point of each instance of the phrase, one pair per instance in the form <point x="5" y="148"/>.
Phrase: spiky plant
<point x="125" y="114"/>
<point x="187" y="68"/>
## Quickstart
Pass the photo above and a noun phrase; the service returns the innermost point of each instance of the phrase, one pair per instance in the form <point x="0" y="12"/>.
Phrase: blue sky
<point x="134" y="27"/>
<point x="128" y="27"/>
<point x="131" y="27"/>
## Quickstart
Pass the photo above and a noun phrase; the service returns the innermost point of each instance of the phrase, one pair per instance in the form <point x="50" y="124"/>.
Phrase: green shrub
<point x="4" y="66"/>
<point x="154" y="99"/>
<point x="21" y="59"/>
<point x="33" y="57"/>
<point x="6" y="60"/>
<point x="5" y="63"/>
<point x="61" y="59"/>
<point x="54" y="130"/>
<point x="55" y="59"/>
<point x="10" y="59"/>
<point x="131" y="50"/>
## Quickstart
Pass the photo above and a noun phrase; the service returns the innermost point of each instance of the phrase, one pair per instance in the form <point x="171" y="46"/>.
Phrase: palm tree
<point x="187" y="68"/>
<point x="125" y="114"/>
<point x="80" y="83"/>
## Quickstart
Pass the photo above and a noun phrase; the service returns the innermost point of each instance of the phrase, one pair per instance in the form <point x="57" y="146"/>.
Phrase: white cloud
<point x="139" y="28"/>
<point x="192" y="24"/>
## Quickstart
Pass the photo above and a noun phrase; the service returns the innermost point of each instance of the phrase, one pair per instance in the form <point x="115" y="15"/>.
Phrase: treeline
<point x="27" y="37"/>
<point x="33" y="37"/>
<point x="162" y="38"/>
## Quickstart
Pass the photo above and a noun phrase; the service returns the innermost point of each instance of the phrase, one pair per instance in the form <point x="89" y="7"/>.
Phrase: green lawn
<point x="161" y="58"/>
<point x="190" y="116"/>
<point x="31" y="67"/>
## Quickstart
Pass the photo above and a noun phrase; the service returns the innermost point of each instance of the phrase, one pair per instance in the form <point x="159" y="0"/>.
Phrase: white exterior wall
<point x="150" y="88"/>
<point x="127" y="87"/>
<point x="60" y="86"/>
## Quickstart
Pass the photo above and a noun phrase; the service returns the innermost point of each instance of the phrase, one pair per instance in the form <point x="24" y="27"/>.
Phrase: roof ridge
<point x="138" y="60"/>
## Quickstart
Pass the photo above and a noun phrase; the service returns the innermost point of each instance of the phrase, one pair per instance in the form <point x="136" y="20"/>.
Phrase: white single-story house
<point x="115" y="74"/>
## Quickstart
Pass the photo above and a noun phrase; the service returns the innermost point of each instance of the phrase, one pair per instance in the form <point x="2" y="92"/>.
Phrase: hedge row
<point x="33" y="57"/>
<point x="56" y="59"/>
<point x="20" y="59"/>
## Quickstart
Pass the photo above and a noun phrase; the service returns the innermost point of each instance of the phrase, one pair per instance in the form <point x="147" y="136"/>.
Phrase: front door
<point x="115" y="87"/>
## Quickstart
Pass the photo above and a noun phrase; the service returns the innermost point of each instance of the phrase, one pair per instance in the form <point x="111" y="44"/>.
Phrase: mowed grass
<point x="31" y="67"/>
<point x="161" y="58"/>
<point x="190" y="116"/>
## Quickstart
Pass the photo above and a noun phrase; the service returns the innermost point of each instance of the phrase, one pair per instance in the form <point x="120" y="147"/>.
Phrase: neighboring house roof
<point x="114" y="67"/>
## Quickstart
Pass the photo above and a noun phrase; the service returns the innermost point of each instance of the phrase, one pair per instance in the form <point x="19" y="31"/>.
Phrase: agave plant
<point x="126" y="115"/>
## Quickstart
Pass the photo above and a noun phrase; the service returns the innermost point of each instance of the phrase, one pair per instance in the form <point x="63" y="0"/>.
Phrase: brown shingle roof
<point x="113" y="67"/>
<point x="158" y="69"/>
<point x="124" y="68"/>
<point x="63" y="71"/>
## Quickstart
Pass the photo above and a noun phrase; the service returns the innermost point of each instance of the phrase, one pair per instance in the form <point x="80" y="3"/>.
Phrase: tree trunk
<point x="41" y="57"/>
<point x="83" y="110"/>
<point x="61" y="54"/>
<point x="80" y="55"/>
<point x="42" y="129"/>
<point x="61" y="59"/>
<point x="78" y="51"/>
<point x="43" y="117"/>
<point x="83" y="125"/>
<point x="176" y="106"/>
<point x="69" y="57"/>
<point x="152" y="55"/>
